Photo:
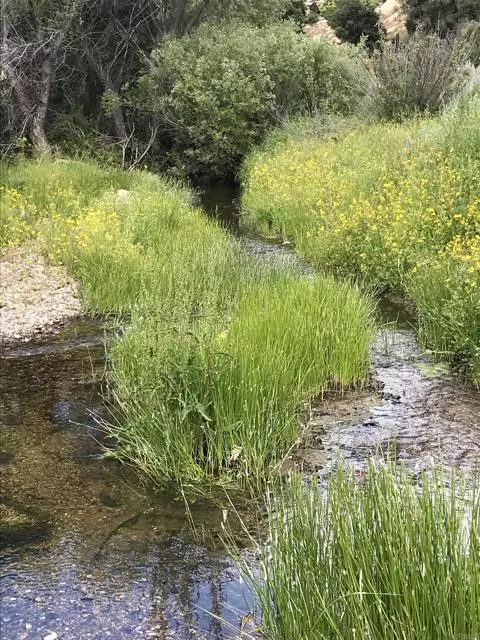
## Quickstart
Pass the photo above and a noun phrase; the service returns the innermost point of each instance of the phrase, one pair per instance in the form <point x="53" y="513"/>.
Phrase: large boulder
<point x="393" y="19"/>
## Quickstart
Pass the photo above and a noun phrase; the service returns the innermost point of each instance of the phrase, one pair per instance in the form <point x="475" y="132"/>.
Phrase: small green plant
<point x="371" y="557"/>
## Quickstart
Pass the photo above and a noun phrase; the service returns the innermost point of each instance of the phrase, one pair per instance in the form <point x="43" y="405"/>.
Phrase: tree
<point x="216" y="92"/>
<point x="112" y="39"/>
<point x="354" y="20"/>
<point x="35" y="34"/>
<point x="440" y="16"/>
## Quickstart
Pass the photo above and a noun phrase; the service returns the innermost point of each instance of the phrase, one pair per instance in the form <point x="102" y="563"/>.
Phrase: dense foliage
<point x="354" y="21"/>
<point x="59" y="57"/>
<point x="219" y="90"/>
<point x="440" y="16"/>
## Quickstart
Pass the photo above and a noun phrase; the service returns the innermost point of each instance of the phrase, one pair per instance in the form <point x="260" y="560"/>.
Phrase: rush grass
<point x="224" y="396"/>
<point x="221" y="355"/>
<point x="373" y="558"/>
<point x="396" y="205"/>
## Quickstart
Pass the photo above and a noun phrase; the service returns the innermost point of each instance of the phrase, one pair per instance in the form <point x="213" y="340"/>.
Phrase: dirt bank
<point x="35" y="298"/>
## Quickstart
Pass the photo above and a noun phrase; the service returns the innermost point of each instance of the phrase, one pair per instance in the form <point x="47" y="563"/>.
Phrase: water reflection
<point x="119" y="561"/>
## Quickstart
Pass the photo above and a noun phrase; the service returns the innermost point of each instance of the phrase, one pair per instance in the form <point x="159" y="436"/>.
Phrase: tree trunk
<point x="38" y="138"/>
<point x="117" y="115"/>
<point x="118" y="119"/>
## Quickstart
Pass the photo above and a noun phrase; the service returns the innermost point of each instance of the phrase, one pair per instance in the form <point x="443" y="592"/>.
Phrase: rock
<point x="106" y="500"/>
<point x="5" y="457"/>
<point x="19" y="526"/>
<point x="393" y="19"/>
<point x="51" y="635"/>
<point x="321" y="29"/>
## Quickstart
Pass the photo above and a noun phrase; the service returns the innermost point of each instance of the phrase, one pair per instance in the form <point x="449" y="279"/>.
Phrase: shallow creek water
<point x="70" y="570"/>
<point x="100" y="555"/>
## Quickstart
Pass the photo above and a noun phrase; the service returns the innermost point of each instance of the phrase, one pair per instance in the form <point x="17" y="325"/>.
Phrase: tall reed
<point x="223" y="396"/>
<point x="374" y="558"/>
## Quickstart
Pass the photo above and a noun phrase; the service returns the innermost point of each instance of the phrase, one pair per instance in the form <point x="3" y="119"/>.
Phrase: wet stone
<point x="106" y="500"/>
<point x="5" y="457"/>
<point x="19" y="527"/>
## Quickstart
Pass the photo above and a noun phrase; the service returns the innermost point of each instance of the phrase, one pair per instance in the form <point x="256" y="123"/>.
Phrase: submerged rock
<point x="17" y="526"/>
<point x="5" y="457"/>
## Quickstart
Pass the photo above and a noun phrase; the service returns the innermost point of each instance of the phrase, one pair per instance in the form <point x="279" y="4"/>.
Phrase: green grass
<point x="222" y="396"/>
<point x="221" y="354"/>
<point x="376" y="558"/>
<point x="388" y="204"/>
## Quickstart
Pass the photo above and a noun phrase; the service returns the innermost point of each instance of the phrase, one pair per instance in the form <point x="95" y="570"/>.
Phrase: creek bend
<point x="95" y="554"/>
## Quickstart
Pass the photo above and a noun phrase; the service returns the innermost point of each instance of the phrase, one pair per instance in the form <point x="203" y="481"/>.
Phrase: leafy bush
<point x="395" y="205"/>
<point x="219" y="90"/>
<point x="354" y="21"/>
<point x="417" y="76"/>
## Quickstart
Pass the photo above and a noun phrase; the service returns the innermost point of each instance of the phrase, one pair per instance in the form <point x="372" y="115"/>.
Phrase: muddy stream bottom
<point x="90" y="552"/>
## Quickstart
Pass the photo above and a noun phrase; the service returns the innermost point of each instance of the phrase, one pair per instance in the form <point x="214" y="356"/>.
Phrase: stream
<point x="94" y="552"/>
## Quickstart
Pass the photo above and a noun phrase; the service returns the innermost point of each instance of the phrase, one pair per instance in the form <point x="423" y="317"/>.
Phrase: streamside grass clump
<point x="213" y="396"/>
<point x="396" y="205"/>
<point x="374" y="558"/>
<point x="220" y="354"/>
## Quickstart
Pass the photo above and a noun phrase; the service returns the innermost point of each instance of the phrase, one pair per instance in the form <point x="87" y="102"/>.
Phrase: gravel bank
<point x="35" y="298"/>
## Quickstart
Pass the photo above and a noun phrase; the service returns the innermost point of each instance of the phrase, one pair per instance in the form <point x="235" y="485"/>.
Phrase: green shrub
<point x="376" y="557"/>
<point x="220" y="89"/>
<point x="354" y="21"/>
<point x="417" y="76"/>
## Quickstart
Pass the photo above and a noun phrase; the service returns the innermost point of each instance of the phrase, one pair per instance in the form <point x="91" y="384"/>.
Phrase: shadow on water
<point x="221" y="202"/>
<point x="90" y="551"/>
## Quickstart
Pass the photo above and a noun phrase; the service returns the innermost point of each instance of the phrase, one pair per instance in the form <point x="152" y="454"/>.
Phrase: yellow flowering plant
<point x="386" y="203"/>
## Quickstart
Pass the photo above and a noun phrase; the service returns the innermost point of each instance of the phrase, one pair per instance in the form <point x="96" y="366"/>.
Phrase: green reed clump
<point x="207" y="395"/>
<point x="372" y="558"/>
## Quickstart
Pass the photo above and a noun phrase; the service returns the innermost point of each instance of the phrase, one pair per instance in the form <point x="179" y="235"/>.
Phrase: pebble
<point x="50" y="636"/>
